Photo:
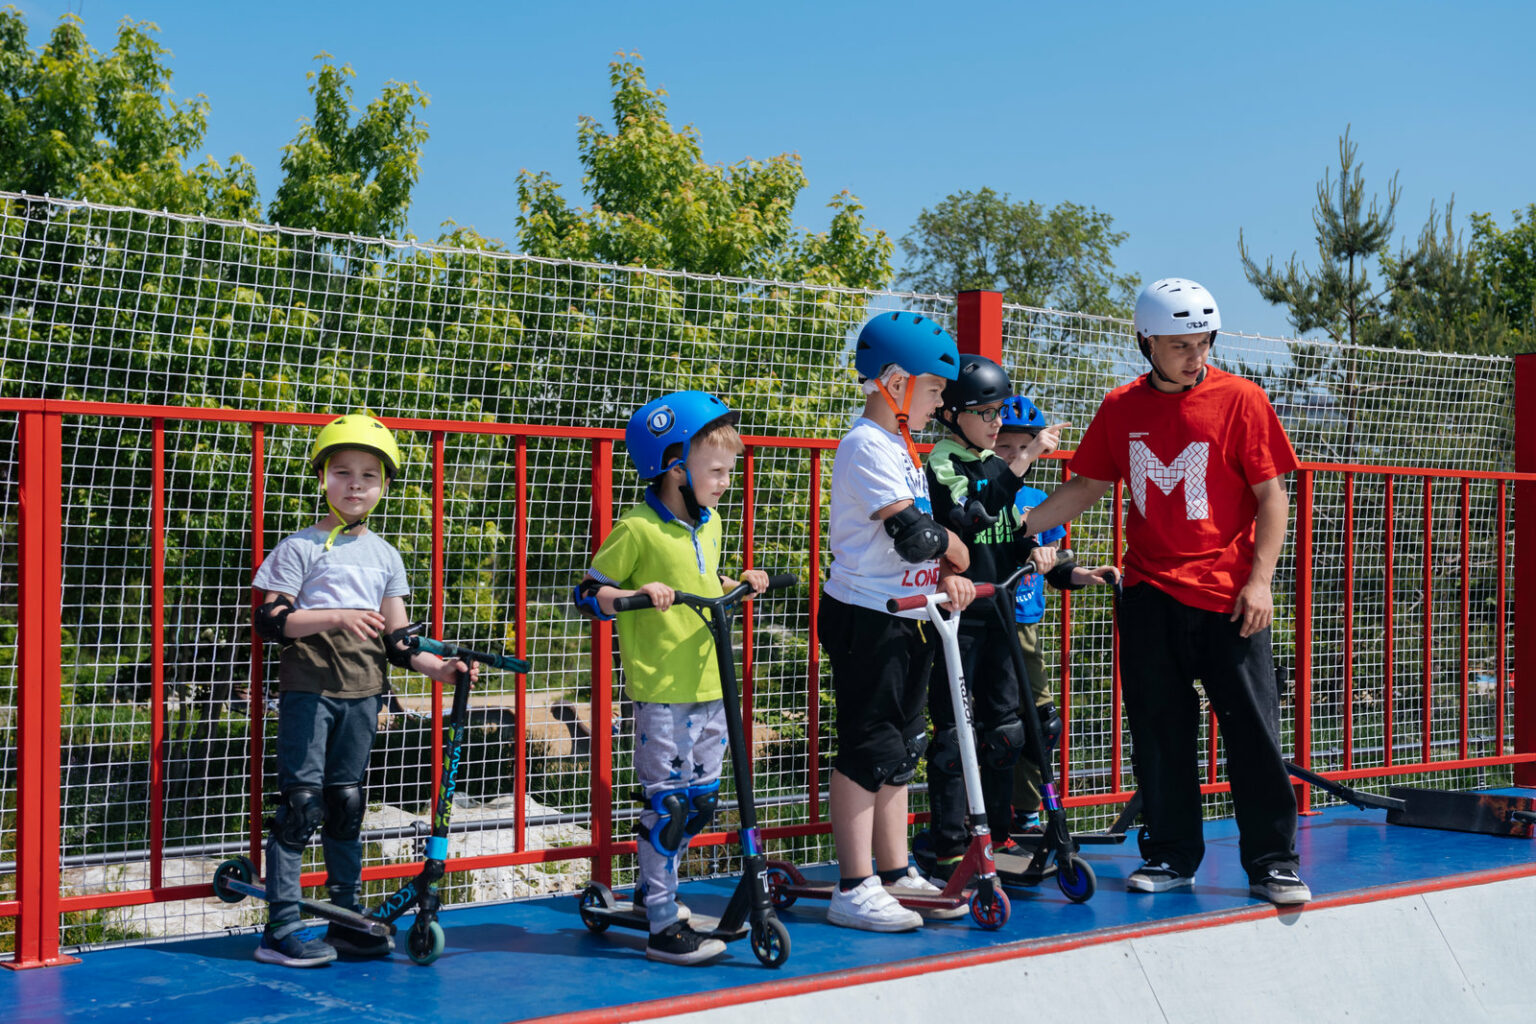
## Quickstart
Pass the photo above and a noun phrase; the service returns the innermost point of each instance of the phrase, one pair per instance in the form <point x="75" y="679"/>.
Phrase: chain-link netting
<point x="114" y="305"/>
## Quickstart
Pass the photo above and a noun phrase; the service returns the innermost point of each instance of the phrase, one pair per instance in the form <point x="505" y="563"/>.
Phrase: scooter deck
<point x="1484" y="813"/>
<point x="1013" y="869"/>
<point x="597" y="912"/>
<point x="328" y="911"/>
<point x="794" y="886"/>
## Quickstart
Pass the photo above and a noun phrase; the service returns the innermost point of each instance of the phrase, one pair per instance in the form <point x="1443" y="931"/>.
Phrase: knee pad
<point x="1050" y="725"/>
<point x="676" y="810"/>
<point x="1002" y="744"/>
<point x="944" y="755"/>
<point x="297" y="817"/>
<point x="344" y="806"/>
<point x="907" y="768"/>
<point x="702" y="800"/>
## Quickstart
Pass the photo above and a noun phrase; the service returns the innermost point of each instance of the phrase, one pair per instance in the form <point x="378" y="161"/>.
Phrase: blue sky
<point x="1185" y="123"/>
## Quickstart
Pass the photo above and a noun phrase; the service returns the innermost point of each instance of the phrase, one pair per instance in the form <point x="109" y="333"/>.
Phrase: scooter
<point x="989" y="906"/>
<point x="752" y="898"/>
<point x="232" y="882"/>
<point x="1056" y="846"/>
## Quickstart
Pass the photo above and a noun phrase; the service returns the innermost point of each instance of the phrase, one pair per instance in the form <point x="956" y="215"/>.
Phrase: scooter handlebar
<point x="906" y="604"/>
<point x="637" y="601"/>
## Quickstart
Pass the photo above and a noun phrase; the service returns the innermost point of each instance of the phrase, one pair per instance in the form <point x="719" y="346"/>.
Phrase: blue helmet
<point x="671" y="419"/>
<point x="1019" y="413"/>
<point x="910" y="340"/>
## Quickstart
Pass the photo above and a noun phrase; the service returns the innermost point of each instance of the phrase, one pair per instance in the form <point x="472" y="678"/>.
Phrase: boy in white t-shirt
<point x="884" y="545"/>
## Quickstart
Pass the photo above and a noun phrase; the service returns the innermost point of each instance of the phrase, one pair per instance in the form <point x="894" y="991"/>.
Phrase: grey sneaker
<point x="293" y="945"/>
<point x="868" y="907"/>
<point x="679" y="944"/>
<point x="1157" y="878"/>
<point x="638" y="903"/>
<point x="1282" y="886"/>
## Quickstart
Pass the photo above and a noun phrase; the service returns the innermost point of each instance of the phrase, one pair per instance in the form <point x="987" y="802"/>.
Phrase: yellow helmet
<point x="356" y="431"/>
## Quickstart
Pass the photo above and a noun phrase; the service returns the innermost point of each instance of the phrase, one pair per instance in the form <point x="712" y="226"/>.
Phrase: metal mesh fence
<point x="112" y="305"/>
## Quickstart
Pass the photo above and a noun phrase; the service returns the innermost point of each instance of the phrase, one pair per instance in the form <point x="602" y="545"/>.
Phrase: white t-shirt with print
<point x="870" y="471"/>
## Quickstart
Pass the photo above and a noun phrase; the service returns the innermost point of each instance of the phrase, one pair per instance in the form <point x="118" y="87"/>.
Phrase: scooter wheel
<point x="990" y="915"/>
<point x="238" y="868"/>
<point x="770" y="942"/>
<point x="1076" y="879"/>
<point x="426" y="944"/>
<point x="778" y="889"/>
<point x="592" y="896"/>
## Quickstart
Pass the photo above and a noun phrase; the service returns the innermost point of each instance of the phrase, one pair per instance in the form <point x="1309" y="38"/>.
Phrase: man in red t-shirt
<point x="1202" y="453"/>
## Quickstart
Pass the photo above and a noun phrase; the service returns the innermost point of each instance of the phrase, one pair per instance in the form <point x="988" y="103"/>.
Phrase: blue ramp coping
<point x="533" y="959"/>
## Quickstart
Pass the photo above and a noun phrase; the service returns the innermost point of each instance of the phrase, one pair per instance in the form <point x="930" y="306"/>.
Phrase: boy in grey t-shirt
<point x="334" y="598"/>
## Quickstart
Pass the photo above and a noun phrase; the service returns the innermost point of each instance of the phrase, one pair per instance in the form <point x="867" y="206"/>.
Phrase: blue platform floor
<point x="515" y="961"/>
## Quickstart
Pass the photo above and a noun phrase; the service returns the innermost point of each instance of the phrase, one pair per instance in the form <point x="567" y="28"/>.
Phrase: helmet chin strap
<point x="1158" y="370"/>
<point x="900" y="412"/>
<point x="343" y="526"/>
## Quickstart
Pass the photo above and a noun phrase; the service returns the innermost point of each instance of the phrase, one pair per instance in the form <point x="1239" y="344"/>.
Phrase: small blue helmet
<point x="1019" y="413"/>
<point x="910" y="340"/>
<point x="671" y="419"/>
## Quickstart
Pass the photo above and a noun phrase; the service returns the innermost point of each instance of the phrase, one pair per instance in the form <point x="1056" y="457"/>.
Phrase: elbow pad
<point x="1060" y="575"/>
<point x="918" y="538"/>
<point x="584" y="597"/>
<point x="271" y="617"/>
<point x="400" y="646"/>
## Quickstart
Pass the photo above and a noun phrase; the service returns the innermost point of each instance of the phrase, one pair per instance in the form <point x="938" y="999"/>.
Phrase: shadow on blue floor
<point x="518" y="960"/>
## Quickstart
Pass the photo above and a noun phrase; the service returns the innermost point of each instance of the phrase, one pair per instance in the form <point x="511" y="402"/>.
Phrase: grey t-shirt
<point x="358" y="572"/>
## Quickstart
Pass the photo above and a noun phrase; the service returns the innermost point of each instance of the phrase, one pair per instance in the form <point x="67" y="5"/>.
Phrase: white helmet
<point x="1175" y="305"/>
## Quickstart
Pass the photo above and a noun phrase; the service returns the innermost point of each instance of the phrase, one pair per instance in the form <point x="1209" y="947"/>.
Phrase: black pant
<point x="993" y="685"/>
<point x="1165" y="647"/>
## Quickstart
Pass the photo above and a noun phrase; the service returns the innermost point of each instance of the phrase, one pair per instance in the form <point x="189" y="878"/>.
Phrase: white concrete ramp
<point x="1456" y="955"/>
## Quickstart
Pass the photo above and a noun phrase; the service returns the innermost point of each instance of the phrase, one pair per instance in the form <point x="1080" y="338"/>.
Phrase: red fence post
<point x="602" y="678"/>
<point x="1303" y="681"/>
<point x="39" y="640"/>
<point x="979" y="324"/>
<point x="1524" y="683"/>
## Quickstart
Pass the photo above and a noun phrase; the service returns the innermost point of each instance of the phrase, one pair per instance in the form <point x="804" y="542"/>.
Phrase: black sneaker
<point x="1157" y="878"/>
<point x="293" y="945"/>
<point x="677" y="943"/>
<point x="350" y="942"/>
<point x="1282" y="886"/>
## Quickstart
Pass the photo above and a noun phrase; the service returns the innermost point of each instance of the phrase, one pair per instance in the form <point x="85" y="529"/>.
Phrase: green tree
<point x="1059" y="258"/>
<point x="1338" y="297"/>
<point x="655" y="202"/>
<point x="353" y="178"/>
<point x="75" y="122"/>
<point x="1507" y="260"/>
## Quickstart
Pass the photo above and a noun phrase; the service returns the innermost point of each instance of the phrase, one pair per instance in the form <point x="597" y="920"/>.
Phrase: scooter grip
<point x="903" y="604"/>
<point x="632" y="603"/>
<point x="781" y="580"/>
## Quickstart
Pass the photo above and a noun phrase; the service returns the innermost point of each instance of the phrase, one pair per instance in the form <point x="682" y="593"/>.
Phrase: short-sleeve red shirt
<point x="1190" y="461"/>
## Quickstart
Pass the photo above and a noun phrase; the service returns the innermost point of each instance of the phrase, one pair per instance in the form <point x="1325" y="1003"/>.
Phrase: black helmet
<point x="979" y="382"/>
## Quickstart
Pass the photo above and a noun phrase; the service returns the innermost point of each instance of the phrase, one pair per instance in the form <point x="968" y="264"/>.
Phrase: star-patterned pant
<point x="676" y="745"/>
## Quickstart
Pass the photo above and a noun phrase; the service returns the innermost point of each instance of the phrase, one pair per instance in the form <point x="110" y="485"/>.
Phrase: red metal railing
<point x="36" y="910"/>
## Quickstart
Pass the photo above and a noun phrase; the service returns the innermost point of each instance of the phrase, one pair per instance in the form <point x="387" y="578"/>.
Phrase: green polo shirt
<point x="669" y="657"/>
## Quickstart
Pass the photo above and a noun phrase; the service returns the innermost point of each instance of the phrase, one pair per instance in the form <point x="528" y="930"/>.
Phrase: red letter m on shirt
<point x="1189" y="467"/>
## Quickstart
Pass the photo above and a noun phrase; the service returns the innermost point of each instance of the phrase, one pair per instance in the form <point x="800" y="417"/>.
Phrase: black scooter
<point x="232" y="882"/>
<point x="752" y="897"/>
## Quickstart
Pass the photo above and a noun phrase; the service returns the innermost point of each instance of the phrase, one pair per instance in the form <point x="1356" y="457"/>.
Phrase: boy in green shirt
<point x="686" y="445"/>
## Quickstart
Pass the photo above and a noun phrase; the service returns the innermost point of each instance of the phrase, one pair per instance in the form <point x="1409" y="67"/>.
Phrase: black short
<point x="880" y="667"/>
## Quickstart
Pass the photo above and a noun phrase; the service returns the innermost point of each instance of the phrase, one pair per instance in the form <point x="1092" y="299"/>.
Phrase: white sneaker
<point x="870" y="908"/>
<point x="915" y="883"/>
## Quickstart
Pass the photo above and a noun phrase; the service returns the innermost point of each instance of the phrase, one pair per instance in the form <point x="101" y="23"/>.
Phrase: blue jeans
<point x="322" y="742"/>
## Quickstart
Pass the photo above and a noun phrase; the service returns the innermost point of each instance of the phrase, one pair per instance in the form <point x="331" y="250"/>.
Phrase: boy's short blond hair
<point x="720" y="434"/>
